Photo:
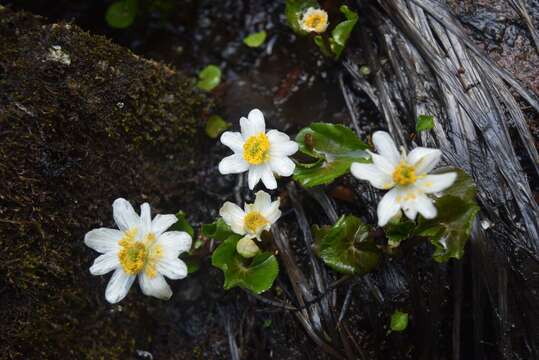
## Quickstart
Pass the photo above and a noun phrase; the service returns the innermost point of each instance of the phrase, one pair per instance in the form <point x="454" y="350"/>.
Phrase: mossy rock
<point x="82" y="122"/>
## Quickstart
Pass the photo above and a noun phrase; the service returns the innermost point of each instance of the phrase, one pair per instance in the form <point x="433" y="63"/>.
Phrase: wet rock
<point x="82" y="122"/>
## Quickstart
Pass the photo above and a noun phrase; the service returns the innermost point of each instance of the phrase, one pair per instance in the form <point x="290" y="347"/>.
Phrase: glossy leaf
<point x="217" y="230"/>
<point x="398" y="231"/>
<point x="256" y="39"/>
<point x="399" y="321"/>
<point x="348" y="247"/>
<point x="183" y="225"/>
<point x="215" y="126"/>
<point x="294" y="11"/>
<point x="451" y="229"/>
<point x="424" y="123"/>
<point x="341" y="32"/>
<point x="121" y="14"/>
<point x="209" y="78"/>
<point x="256" y="275"/>
<point x="333" y="147"/>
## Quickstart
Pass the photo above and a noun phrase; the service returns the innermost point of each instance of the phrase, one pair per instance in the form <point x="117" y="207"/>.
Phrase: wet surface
<point x="293" y="85"/>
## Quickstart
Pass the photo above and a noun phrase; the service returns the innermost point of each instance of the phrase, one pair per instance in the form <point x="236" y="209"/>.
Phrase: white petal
<point x="436" y="183"/>
<point x="124" y="214"/>
<point x="284" y="149"/>
<point x="372" y="174"/>
<point x="388" y="206"/>
<point x="103" y="239"/>
<point x="105" y="263"/>
<point x="280" y="144"/>
<point x="386" y="146"/>
<point x="161" y="223"/>
<point x="233" y="215"/>
<point x="272" y="213"/>
<point x="407" y="198"/>
<point x="410" y="209"/>
<point x="233" y="140"/>
<point x="254" y="176"/>
<point x="425" y="206"/>
<point x="268" y="178"/>
<point x="174" y="243"/>
<point x="277" y="137"/>
<point x="172" y="268"/>
<point x="118" y="286"/>
<point x="424" y="159"/>
<point x="156" y="286"/>
<point x="233" y="164"/>
<point x="383" y="164"/>
<point x="253" y="125"/>
<point x="145" y="218"/>
<point x="262" y="201"/>
<point x="282" y="166"/>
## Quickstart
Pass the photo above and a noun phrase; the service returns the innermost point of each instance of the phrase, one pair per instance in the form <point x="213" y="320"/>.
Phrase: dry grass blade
<point x="424" y="63"/>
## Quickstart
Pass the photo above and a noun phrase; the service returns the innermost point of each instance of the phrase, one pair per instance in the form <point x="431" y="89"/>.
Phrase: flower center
<point x="136" y="256"/>
<point x="253" y="221"/>
<point x="256" y="149"/>
<point x="315" y="20"/>
<point x="404" y="174"/>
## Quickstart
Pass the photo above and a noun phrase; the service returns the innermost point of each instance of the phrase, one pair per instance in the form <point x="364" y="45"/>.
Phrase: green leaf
<point x="341" y="32"/>
<point x="451" y="229"/>
<point x="348" y="247"/>
<point x="121" y="14"/>
<point x="399" y="321"/>
<point x="334" y="148"/>
<point x="256" y="39"/>
<point x="215" y="126"/>
<point x="193" y="264"/>
<point x="209" y="78"/>
<point x="256" y="275"/>
<point x="217" y="230"/>
<point x="463" y="187"/>
<point x="182" y="224"/>
<point x="319" y="41"/>
<point x="424" y="123"/>
<point x="294" y="10"/>
<point x="399" y="231"/>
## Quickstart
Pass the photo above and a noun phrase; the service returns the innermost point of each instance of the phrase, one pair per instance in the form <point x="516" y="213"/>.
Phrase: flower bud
<point x="247" y="248"/>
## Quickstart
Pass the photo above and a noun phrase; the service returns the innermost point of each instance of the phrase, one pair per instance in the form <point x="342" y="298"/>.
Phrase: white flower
<point x="255" y="218"/>
<point x="260" y="153"/>
<point x="407" y="177"/>
<point x="140" y="247"/>
<point x="314" y="20"/>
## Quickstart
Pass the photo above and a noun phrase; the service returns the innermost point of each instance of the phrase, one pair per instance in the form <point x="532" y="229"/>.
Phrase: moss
<point x="74" y="136"/>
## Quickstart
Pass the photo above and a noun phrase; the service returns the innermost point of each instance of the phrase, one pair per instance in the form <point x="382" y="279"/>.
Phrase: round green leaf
<point x="341" y="32"/>
<point x="215" y="126"/>
<point x="348" y="247"/>
<point x="209" y="78"/>
<point x="424" y="123"/>
<point x="399" y="321"/>
<point x="457" y="209"/>
<point x="121" y="14"/>
<point x="256" y="39"/>
<point x="256" y="275"/>
<point x="334" y="147"/>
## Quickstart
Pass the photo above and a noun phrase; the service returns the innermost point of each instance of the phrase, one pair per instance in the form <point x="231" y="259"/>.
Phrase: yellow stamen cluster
<point x="315" y="20"/>
<point x="253" y="221"/>
<point x="404" y="174"/>
<point x="256" y="149"/>
<point x="136" y="256"/>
